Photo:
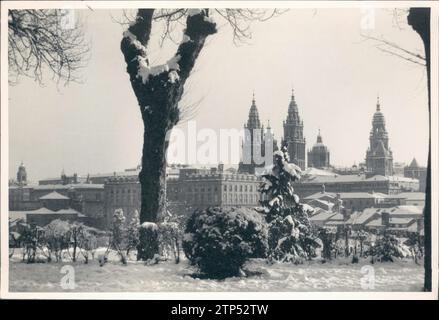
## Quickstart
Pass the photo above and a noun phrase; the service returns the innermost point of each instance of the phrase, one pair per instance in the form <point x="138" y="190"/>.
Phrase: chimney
<point x="385" y="219"/>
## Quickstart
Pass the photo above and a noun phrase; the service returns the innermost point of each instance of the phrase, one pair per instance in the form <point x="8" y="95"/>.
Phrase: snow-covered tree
<point x="124" y="235"/>
<point x="328" y="241"/>
<point x="159" y="89"/>
<point x="171" y="230"/>
<point x="291" y="238"/>
<point x="388" y="247"/>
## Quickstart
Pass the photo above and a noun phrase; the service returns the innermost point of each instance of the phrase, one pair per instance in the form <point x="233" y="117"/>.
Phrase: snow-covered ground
<point x="168" y="276"/>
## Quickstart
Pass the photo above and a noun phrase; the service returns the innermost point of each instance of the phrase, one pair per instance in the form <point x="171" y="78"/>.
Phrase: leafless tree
<point x="159" y="89"/>
<point x="40" y="40"/>
<point x="419" y="20"/>
<point x="393" y="48"/>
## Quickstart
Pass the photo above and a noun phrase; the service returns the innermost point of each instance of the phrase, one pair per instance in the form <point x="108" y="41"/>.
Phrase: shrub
<point x="170" y="235"/>
<point x="220" y="240"/>
<point x="387" y="248"/>
<point x="57" y="238"/>
<point x="124" y="236"/>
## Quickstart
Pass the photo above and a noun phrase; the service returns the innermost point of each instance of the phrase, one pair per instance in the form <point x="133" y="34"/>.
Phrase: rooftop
<point x="54" y="196"/>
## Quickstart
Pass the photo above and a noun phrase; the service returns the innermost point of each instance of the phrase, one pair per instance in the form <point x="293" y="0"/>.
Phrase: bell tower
<point x="21" y="175"/>
<point x="293" y="134"/>
<point x="379" y="157"/>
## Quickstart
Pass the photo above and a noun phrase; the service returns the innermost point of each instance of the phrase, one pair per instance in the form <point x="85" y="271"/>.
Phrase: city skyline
<point x="70" y="125"/>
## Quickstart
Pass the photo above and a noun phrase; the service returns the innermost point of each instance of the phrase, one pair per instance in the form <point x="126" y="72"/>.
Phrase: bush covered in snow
<point x="170" y="235"/>
<point x="388" y="247"/>
<point x="220" y="240"/>
<point x="291" y="236"/>
<point x="124" y="235"/>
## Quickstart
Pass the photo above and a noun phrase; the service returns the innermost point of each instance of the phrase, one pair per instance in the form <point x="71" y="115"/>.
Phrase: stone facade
<point x="214" y="188"/>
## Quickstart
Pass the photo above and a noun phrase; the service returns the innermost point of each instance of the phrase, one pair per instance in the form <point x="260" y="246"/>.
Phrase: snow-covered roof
<point x="375" y="223"/>
<point x="322" y="216"/>
<point x="42" y="210"/>
<point x="69" y="186"/>
<point x="334" y="178"/>
<point x="68" y="211"/>
<point x="405" y="210"/>
<point x="348" y="195"/>
<point x="361" y="217"/>
<point x="17" y="215"/>
<point x="401" y="220"/>
<point x="413" y="195"/>
<point x="317" y="172"/>
<point x="54" y="196"/>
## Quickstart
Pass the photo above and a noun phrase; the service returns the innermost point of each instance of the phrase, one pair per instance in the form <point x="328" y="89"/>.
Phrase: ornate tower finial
<point x="319" y="137"/>
<point x="253" y="99"/>
<point x="378" y="103"/>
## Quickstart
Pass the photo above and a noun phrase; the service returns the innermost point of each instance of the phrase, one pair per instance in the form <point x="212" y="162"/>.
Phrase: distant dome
<point x="319" y="146"/>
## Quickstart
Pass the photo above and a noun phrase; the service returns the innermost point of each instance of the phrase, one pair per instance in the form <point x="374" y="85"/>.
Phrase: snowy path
<point x="335" y="276"/>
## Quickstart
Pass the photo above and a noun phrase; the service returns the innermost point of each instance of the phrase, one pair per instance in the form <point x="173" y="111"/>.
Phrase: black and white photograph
<point x="201" y="149"/>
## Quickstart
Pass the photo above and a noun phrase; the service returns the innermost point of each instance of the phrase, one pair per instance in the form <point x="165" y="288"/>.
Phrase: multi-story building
<point x="195" y="188"/>
<point x="121" y="192"/>
<point x="311" y="184"/>
<point x="85" y="198"/>
<point x="214" y="187"/>
<point x="293" y="134"/>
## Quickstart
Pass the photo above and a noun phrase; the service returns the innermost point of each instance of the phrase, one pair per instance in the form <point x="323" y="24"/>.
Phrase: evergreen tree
<point x="291" y="238"/>
<point x="388" y="247"/>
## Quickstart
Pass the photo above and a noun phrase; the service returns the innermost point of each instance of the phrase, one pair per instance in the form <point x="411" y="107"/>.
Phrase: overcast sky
<point x="96" y="126"/>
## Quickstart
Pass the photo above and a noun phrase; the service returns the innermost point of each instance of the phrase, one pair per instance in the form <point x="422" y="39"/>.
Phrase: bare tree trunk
<point x="158" y="90"/>
<point x="419" y="19"/>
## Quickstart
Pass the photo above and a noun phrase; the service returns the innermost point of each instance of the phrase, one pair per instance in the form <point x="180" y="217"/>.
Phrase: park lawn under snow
<point x="168" y="276"/>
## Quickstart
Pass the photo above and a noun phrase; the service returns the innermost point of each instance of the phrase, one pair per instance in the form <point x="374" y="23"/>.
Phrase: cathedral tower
<point x="21" y="175"/>
<point x="293" y="134"/>
<point x="253" y="145"/>
<point x="256" y="140"/>
<point x="379" y="157"/>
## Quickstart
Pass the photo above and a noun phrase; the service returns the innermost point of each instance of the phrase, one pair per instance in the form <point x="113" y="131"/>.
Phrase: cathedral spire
<point x="293" y="134"/>
<point x="319" y="137"/>
<point x="253" y="121"/>
<point x="378" y="103"/>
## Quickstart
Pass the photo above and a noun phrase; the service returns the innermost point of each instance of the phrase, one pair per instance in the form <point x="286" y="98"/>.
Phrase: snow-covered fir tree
<point x="291" y="238"/>
<point x="388" y="248"/>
